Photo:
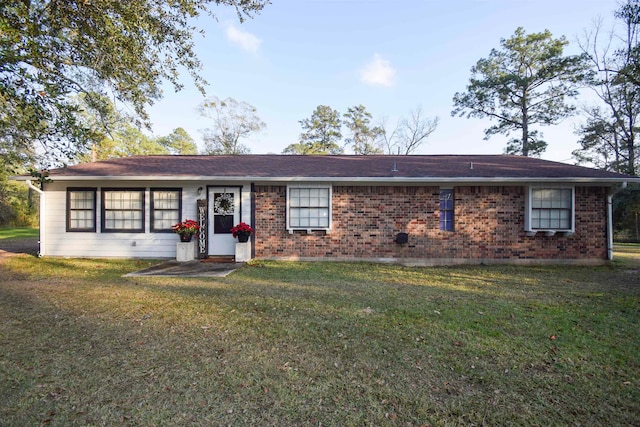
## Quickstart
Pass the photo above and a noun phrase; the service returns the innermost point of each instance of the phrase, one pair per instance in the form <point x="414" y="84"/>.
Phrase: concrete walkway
<point x="188" y="269"/>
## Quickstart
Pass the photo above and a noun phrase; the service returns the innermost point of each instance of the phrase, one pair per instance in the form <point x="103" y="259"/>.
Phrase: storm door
<point x="224" y="213"/>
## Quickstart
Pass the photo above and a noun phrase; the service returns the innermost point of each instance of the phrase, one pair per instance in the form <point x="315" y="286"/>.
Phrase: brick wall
<point x="489" y="224"/>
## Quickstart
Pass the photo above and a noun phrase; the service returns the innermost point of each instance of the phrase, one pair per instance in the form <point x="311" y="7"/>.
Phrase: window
<point x="550" y="209"/>
<point x="81" y="209"/>
<point x="123" y="210"/>
<point x="446" y="210"/>
<point x="166" y="206"/>
<point x="309" y="208"/>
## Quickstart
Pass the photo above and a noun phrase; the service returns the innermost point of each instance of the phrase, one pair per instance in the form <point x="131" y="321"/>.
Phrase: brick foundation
<point x="489" y="225"/>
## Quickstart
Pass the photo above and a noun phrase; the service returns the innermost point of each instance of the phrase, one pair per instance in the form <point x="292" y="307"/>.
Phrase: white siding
<point x="56" y="241"/>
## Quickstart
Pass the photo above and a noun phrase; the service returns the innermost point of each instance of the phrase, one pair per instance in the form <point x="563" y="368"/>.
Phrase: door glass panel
<point x="223" y="210"/>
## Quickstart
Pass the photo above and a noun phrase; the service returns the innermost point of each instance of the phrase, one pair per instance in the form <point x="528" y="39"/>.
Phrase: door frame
<point x="210" y="214"/>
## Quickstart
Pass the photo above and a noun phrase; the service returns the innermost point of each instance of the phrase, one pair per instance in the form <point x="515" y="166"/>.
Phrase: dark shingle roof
<point x="344" y="168"/>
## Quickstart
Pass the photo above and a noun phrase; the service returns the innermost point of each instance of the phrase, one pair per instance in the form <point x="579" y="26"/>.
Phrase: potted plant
<point x="242" y="231"/>
<point x="186" y="229"/>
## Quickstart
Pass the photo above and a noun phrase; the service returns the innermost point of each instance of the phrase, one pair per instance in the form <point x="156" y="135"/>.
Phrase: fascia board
<point x="362" y="180"/>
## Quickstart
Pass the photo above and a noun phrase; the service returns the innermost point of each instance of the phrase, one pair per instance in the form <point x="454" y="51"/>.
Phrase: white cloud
<point x="378" y="72"/>
<point x="245" y="40"/>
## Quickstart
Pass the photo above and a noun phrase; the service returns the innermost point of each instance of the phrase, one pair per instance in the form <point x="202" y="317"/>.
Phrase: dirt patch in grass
<point x="10" y="247"/>
<point x="18" y="241"/>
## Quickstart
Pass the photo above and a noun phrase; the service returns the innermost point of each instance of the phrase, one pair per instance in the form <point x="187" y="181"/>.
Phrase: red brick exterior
<point x="489" y="225"/>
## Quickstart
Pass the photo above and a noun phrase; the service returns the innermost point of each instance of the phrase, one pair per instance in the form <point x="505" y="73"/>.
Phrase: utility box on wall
<point x="402" y="238"/>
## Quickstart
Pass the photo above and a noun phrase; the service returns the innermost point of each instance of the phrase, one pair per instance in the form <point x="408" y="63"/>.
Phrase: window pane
<point x="166" y="209"/>
<point x="309" y="207"/>
<point x="446" y="210"/>
<point x="81" y="210"/>
<point x="551" y="208"/>
<point x="123" y="210"/>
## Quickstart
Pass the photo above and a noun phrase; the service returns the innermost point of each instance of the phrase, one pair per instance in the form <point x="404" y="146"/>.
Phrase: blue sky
<point x="390" y="56"/>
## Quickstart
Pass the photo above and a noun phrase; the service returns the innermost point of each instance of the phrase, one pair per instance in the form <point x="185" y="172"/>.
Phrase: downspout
<point x="610" y="219"/>
<point x="43" y="212"/>
<point x="253" y="219"/>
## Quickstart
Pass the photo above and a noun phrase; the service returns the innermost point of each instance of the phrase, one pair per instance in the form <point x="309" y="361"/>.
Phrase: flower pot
<point x="243" y="237"/>
<point x="186" y="237"/>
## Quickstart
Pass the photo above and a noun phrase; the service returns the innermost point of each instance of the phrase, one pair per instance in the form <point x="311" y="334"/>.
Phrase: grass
<point x="318" y="344"/>
<point x="17" y="233"/>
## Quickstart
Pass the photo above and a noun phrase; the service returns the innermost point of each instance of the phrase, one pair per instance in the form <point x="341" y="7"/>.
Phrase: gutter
<point x="504" y="180"/>
<point x="43" y="213"/>
<point x="613" y="192"/>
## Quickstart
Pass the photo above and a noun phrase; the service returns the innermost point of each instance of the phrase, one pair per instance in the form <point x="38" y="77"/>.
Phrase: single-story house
<point x="417" y="210"/>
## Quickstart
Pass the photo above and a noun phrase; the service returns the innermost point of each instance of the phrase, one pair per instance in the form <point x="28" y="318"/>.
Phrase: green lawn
<point x="319" y="344"/>
<point x="17" y="233"/>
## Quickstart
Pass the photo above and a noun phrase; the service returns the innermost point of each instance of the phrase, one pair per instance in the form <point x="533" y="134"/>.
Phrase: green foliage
<point x="608" y="137"/>
<point x="527" y="82"/>
<point x="116" y="135"/>
<point x="365" y="138"/>
<point x="51" y="51"/>
<point x="18" y="204"/>
<point x="626" y="213"/>
<point x="321" y="133"/>
<point x="232" y="121"/>
<point x="179" y="142"/>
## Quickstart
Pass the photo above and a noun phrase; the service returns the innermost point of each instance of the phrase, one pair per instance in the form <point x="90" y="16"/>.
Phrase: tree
<point x="18" y="204"/>
<point x="527" y="82"/>
<point x="626" y="213"/>
<point x="408" y="134"/>
<point x="232" y="121"/>
<point x="115" y="135"/>
<point x="321" y="133"/>
<point x="364" y="138"/>
<point x="52" y="50"/>
<point x="179" y="142"/>
<point x="300" y="148"/>
<point x="609" y="134"/>
<point x="599" y="141"/>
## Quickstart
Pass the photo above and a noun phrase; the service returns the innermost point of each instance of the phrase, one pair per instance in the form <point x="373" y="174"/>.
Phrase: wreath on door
<point x="223" y="204"/>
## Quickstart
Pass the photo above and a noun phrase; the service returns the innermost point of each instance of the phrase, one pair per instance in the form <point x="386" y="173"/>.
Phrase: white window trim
<point x="310" y="229"/>
<point x="528" y="207"/>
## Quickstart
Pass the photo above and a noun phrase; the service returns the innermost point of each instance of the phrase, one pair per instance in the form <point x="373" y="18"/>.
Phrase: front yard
<point x="319" y="344"/>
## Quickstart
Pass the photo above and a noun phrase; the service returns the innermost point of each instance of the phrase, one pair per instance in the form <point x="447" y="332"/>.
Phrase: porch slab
<point x="195" y="268"/>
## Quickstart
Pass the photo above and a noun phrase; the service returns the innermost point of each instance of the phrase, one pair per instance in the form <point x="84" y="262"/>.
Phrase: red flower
<point x="186" y="228"/>
<point x="243" y="227"/>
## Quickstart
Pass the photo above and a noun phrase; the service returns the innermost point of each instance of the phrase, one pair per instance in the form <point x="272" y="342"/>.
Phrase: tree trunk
<point x="525" y="129"/>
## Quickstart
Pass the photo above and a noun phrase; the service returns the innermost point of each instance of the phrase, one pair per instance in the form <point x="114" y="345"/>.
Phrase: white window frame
<point x="528" y="217"/>
<point x="290" y="228"/>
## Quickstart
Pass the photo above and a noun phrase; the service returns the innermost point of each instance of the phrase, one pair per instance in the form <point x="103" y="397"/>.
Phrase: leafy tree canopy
<point x="115" y="135"/>
<point x="527" y="81"/>
<point x="364" y="138"/>
<point x="321" y="133"/>
<point x="52" y="50"/>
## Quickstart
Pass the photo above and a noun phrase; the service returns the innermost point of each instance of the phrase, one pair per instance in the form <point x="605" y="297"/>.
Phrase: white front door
<point x="224" y="213"/>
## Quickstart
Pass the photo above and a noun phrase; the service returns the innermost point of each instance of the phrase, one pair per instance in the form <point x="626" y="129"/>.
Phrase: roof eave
<point x="396" y="179"/>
